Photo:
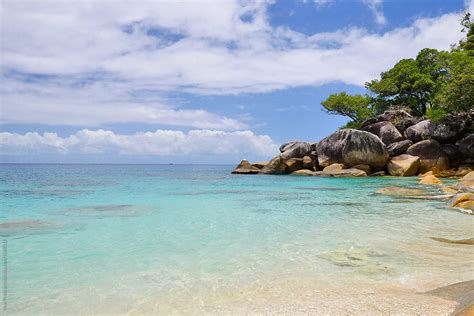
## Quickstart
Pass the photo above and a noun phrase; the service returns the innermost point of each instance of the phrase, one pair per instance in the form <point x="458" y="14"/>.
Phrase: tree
<point x="411" y="83"/>
<point x="356" y="107"/>
<point x="457" y="93"/>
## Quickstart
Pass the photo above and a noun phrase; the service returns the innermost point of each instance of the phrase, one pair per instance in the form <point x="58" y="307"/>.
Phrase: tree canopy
<point x="433" y="82"/>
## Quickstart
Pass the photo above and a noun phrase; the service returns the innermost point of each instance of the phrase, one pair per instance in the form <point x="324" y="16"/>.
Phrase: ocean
<point x="191" y="239"/>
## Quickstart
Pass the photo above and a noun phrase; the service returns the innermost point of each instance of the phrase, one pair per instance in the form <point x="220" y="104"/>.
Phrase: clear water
<point x="180" y="238"/>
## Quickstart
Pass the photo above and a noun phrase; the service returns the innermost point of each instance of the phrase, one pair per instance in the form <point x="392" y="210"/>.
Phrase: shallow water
<point x="187" y="239"/>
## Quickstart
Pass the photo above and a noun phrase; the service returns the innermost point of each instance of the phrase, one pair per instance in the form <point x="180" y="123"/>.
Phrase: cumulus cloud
<point x="157" y="143"/>
<point x="93" y="62"/>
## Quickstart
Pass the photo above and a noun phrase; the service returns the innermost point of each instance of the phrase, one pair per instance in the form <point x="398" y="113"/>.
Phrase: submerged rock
<point x="399" y="148"/>
<point x="363" y="259"/>
<point x="469" y="241"/>
<point x="432" y="156"/>
<point x="403" y="165"/>
<point x="22" y="227"/>
<point x="275" y="166"/>
<point x="400" y="191"/>
<point x="244" y="167"/>
<point x="352" y="147"/>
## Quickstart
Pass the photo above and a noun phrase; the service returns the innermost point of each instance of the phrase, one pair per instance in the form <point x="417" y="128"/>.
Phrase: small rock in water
<point x="104" y="210"/>
<point x="399" y="191"/>
<point x="364" y="259"/>
<point x="430" y="179"/>
<point x="26" y="227"/>
<point x="244" y="167"/>
<point x="469" y="241"/>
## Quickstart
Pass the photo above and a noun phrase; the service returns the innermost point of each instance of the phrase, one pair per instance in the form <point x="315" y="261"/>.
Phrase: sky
<point x="207" y="81"/>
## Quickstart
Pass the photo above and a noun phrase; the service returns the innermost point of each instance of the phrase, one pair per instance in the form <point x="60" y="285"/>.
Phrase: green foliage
<point x="355" y="107"/>
<point x="411" y="82"/>
<point x="433" y="84"/>
<point x="353" y="124"/>
<point x="436" y="114"/>
<point x="457" y="92"/>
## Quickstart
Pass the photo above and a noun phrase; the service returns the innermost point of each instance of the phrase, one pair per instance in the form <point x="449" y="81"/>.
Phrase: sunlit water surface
<point x="181" y="238"/>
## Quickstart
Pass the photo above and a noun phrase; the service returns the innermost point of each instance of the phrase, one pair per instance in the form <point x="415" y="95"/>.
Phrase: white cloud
<point x="376" y="7"/>
<point x="157" y="143"/>
<point x="117" y="61"/>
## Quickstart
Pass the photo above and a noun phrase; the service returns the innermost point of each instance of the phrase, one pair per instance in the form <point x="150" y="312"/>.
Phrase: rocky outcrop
<point x="295" y="149"/>
<point x="352" y="147"/>
<point x="440" y="145"/>
<point x="260" y="164"/>
<point x="244" y="167"/>
<point x="398" y="148"/>
<point x="404" y="165"/>
<point x="275" y="166"/>
<point x="432" y="156"/>
<point x="385" y="130"/>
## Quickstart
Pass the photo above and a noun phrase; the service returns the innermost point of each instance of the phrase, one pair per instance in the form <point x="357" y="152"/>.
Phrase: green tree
<point x="411" y="83"/>
<point x="356" y="107"/>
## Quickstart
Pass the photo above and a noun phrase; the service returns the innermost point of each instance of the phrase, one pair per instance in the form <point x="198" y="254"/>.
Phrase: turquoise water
<point x="180" y="238"/>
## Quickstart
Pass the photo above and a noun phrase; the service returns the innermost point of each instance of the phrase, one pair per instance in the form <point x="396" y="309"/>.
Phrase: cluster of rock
<point x="393" y="143"/>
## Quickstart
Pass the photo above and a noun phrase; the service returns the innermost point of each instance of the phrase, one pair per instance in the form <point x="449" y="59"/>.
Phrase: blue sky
<point x="194" y="81"/>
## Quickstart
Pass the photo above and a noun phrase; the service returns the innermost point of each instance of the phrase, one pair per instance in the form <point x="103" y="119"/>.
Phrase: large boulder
<point x="295" y="149"/>
<point x="454" y="155"/>
<point x="244" y="167"/>
<point x="351" y="172"/>
<point x="352" y="147"/>
<point x="432" y="156"/>
<point x="401" y="119"/>
<point x="275" y="166"/>
<point x="466" y="147"/>
<point x="399" y="148"/>
<point x="450" y="129"/>
<point x="385" y="130"/>
<point x="419" y="131"/>
<point x="308" y="163"/>
<point x="403" y="165"/>
<point x="302" y="172"/>
<point x="294" y="164"/>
